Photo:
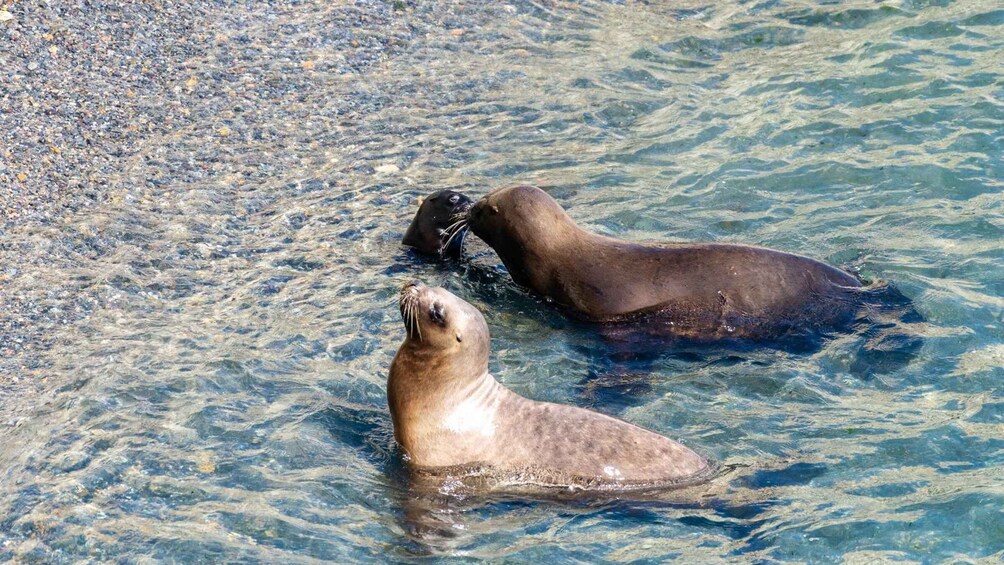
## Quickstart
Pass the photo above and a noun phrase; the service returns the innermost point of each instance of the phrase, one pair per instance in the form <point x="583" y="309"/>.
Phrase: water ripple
<point x="214" y="336"/>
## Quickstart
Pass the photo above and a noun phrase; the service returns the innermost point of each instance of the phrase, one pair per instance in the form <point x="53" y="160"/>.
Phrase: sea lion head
<point x="439" y="323"/>
<point x="438" y="228"/>
<point x="515" y="212"/>
<point x="523" y="225"/>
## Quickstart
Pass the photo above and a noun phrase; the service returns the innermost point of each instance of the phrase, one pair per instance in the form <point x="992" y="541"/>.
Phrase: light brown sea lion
<point x="452" y="417"/>
<point x="703" y="291"/>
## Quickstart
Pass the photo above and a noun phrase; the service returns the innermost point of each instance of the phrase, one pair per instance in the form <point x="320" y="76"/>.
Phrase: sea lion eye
<point x="437" y="314"/>
<point x="454" y="199"/>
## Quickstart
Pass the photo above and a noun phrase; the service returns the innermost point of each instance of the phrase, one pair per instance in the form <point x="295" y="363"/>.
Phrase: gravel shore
<point x="87" y="85"/>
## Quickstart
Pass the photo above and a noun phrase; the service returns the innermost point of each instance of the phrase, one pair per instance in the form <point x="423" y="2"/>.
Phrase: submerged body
<point x="449" y="413"/>
<point x="702" y="291"/>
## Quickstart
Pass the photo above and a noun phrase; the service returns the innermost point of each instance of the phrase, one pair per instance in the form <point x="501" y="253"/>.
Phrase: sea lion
<point x="429" y="232"/>
<point x="702" y="291"/>
<point x="452" y="417"/>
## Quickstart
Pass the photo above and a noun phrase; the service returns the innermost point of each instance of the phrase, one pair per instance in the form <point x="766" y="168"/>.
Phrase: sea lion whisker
<point x="452" y="230"/>
<point x="459" y="225"/>
<point x="455" y="224"/>
<point x="408" y="307"/>
<point x="414" y="312"/>
<point x="449" y="235"/>
<point x="461" y="229"/>
<point x="411" y="319"/>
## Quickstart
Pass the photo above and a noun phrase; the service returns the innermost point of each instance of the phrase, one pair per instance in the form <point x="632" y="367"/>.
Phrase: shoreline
<point x="89" y="88"/>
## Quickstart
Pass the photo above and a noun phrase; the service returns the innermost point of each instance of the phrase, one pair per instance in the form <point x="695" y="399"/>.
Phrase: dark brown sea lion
<point x="703" y="291"/>
<point x="429" y="232"/>
<point x="453" y="418"/>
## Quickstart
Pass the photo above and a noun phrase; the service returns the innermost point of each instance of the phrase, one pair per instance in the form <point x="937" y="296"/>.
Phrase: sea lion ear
<point x="495" y="209"/>
<point x="460" y="337"/>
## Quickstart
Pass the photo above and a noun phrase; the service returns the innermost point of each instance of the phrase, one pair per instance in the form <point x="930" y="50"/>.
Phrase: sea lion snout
<point x="410" y="291"/>
<point x="483" y="217"/>
<point x="477" y="211"/>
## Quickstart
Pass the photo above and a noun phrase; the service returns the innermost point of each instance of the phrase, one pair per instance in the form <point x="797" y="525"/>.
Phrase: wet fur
<point x="699" y="291"/>
<point x="449" y="413"/>
<point x="439" y="226"/>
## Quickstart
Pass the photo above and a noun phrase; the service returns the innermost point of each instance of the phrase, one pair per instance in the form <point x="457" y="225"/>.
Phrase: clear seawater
<point x="222" y="395"/>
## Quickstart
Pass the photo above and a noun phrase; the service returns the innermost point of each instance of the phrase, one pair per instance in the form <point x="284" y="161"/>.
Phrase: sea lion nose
<point x="477" y="209"/>
<point x="412" y="284"/>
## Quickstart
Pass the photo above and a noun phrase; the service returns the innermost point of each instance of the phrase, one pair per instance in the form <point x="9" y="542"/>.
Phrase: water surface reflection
<point x="219" y="391"/>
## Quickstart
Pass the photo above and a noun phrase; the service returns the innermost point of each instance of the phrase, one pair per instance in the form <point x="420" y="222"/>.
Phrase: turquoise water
<point x="221" y="394"/>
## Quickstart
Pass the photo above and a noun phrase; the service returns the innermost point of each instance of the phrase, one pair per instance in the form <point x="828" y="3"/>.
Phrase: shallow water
<point x="221" y="394"/>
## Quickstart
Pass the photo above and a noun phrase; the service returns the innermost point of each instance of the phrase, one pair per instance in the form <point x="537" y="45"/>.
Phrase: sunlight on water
<point x="221" y="394"/>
